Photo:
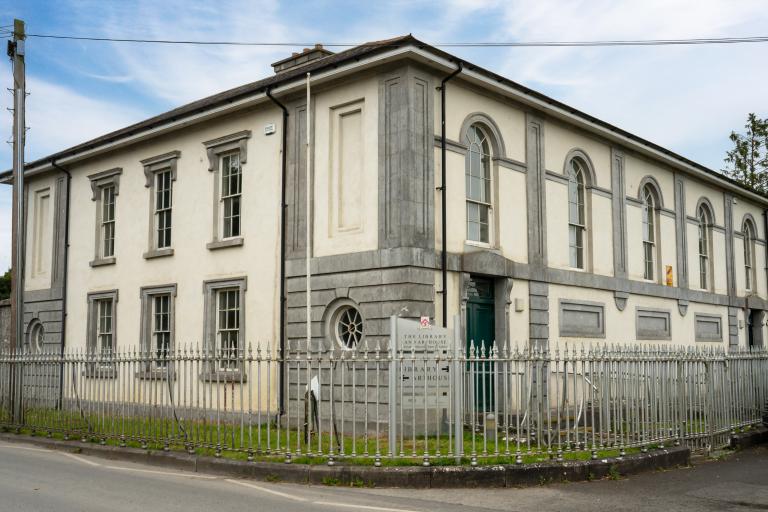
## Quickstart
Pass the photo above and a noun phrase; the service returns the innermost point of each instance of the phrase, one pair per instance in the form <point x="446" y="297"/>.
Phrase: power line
<point x="487" y="44"/>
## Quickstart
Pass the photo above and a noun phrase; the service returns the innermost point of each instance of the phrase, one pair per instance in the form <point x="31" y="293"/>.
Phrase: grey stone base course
<point x="758" y="435"/>
<point x="411" y="477"/>
<point x="378" y="293"/>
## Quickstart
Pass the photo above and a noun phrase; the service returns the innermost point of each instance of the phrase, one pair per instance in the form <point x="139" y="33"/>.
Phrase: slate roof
<point x="229" y="96"/>
<point x="335" y="60"/>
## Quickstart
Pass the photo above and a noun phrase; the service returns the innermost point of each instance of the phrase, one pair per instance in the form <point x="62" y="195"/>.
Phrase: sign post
<point x="422" y="389"/>
<point x="394" y="371"/>
<point x="458" y="391"/>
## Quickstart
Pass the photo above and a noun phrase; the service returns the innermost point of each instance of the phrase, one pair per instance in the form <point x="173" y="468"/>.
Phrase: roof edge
<point x="541" y="102"/>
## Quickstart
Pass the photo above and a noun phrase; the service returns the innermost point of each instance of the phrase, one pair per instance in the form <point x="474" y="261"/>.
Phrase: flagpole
<point x="308" y="191"/>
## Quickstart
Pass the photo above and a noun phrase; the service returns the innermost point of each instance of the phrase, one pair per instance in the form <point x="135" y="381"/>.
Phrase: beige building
<point x="560" y="228"/>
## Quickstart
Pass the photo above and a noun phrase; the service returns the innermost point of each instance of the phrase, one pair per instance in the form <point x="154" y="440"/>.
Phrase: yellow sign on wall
<point x="669" y="275"/>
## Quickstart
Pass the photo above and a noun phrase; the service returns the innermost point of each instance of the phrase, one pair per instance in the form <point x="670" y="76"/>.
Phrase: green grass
<point x="269" y="444"/>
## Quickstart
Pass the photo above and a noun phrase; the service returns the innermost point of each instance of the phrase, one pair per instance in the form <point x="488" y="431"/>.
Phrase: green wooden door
<point x="481" y="334"/>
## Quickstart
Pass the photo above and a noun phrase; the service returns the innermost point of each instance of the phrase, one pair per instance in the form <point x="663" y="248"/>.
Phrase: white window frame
<point x="154" y="169"/>
<point x="577" y="227"/>
<point x="483" y="203"/>
<point x="149" y="294"/>
<point x="105" y="311"/>
<point x="101" y="185"/>
<point x="213" y="326"/>
<point x="228" y="329"/>
<point x="750" y="233"/>
<point x="163" y="210"/>
<point x="231" y="196"/>
<point x="650" y="231"/>
<point x="218" y="150"/>
<point x="107" y="222"/>
<point x="95" y="329"/>
<point x="704" y="216"/>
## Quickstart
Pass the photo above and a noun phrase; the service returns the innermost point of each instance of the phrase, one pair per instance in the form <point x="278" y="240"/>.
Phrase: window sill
<point x="100" y="262"/>
<point x="470" y="246"/>
<point x="223" y="377"/>
<point x="158" y="253"/>
<point x="223" y="244"/>
<point x="155" y="374"/>
<point x="574" y="334"/>
<point x="650" y="337"/>
<point x="100" y="372"/>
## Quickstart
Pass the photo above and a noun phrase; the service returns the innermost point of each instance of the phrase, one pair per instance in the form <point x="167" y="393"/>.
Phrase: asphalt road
<point x="35" y="479"/>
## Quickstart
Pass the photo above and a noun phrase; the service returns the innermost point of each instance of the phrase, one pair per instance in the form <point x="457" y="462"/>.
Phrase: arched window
<point x="749" y="254"/>
<point x="576" y="213"/>
<point x="705" y="237"/>
<point x="478" y="184"/>
<point x="650" y="209"/>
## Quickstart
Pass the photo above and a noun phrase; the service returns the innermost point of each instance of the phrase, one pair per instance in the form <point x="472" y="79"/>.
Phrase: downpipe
<point x="283" y="207"/>
<point x="442" y="189"/>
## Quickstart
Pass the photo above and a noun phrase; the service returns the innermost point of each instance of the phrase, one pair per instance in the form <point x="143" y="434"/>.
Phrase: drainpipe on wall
<point x="442" y="188"/>
<point x="283" y="207"/>
<point x="64" y="277"/>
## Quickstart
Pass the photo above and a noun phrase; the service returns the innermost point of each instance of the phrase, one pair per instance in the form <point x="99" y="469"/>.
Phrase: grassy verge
<point x="268" y="443"/>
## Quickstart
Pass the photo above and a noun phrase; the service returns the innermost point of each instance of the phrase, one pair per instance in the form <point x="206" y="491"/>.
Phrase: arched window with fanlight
<point x="650" y="206"/>
<point x="704" y="216"/>
<point x="749" y="254"/>
<point x="478" y="184"/>
<point x="576" y="212"/>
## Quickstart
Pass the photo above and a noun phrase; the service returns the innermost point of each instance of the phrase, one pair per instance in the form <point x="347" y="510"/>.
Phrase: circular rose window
<point x="348" y="326"/>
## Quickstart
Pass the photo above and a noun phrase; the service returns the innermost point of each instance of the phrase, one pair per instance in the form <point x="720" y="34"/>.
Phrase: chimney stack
<point x="297" y="59"/>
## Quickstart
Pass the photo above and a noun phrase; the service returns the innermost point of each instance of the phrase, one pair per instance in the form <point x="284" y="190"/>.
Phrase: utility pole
<point x="16" y="53"/>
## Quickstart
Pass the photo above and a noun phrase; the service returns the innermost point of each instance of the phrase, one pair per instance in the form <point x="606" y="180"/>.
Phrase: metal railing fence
<point x="490" y="404"/>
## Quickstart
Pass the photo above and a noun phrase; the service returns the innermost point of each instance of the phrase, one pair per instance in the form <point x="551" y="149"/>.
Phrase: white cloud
<point x="181" y="73"/>
<point x="682" y="97"/>
<point x="117" y="79"/>
<point x="60" y="117"/>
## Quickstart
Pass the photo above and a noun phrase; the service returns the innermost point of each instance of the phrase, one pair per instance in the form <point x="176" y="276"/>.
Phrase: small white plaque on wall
<point x="269" y="129"/>
<point x="519" y="305"/>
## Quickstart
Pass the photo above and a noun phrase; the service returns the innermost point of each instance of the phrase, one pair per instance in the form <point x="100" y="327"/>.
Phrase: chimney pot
<point x="300" y="58"/>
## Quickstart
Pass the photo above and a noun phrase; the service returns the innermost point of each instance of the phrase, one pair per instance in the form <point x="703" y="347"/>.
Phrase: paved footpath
<point x="35" y="479"/>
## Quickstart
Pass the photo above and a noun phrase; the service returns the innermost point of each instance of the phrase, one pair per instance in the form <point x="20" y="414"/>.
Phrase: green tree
<point x="5" y="285"/>
<point x="747" y="162"/>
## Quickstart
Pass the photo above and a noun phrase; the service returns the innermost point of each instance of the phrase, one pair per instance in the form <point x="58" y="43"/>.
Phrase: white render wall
<point x="192" y="263"/>
<point x="509" y="231"/>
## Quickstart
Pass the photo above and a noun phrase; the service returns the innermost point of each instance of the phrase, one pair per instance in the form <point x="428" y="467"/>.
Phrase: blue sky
<point x="685" y="98"/>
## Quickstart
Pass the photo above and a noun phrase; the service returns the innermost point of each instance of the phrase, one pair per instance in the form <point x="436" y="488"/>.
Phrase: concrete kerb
<point x="405" y="476"/>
